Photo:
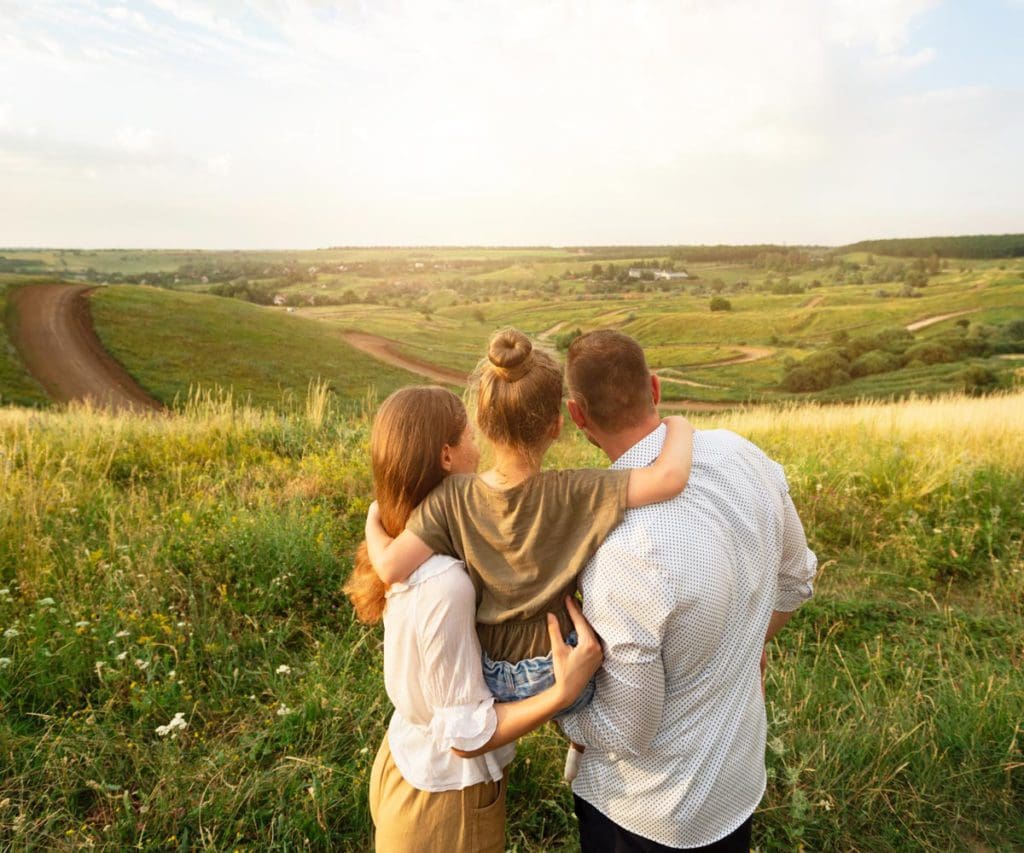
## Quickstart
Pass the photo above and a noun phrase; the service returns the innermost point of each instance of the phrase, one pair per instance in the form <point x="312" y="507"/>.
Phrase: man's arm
<point x="797" y="569"/>
<point x="620" y="599"/>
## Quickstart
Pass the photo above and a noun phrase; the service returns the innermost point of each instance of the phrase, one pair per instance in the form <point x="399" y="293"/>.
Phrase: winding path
<point x="386" y="350"/>
<point x="931" y="321"/>
<point x="55" y="337"/>
<point x="748" y="354"/>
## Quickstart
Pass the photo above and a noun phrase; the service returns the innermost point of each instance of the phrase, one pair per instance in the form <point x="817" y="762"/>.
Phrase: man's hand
<point x="575" y="665"/>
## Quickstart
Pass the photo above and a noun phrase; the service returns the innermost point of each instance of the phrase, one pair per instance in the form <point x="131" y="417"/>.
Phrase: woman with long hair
<point x="424" y="794"/>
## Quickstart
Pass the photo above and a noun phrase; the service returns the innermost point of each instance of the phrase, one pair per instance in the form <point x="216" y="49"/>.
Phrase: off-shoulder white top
<point x="433" y="675"/>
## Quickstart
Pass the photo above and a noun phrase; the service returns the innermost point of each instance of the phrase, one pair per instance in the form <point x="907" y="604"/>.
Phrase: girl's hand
<point x="575" y="665"/>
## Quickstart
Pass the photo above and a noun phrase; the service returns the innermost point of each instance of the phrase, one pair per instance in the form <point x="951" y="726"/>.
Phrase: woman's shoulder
<point x="440" y="569"/>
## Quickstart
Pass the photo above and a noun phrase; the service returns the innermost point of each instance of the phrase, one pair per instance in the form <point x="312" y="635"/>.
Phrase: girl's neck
<point x="512" y="466"/>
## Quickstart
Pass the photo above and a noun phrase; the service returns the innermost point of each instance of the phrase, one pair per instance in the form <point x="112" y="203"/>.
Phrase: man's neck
<point x="617" y="443"/>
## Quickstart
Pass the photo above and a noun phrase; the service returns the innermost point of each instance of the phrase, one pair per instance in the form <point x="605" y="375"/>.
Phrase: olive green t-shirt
<point x="524" y="546"/>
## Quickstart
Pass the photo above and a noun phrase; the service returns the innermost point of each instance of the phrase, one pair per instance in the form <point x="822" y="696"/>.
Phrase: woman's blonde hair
<point x="409" y="431"/>
<point x="518" y="391"/>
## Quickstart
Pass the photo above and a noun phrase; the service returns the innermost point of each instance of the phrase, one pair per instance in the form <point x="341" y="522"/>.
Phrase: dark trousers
<point x="600" y="834"/>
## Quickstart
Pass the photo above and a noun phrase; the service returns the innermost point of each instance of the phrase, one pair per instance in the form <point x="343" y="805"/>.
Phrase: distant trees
<point x="975" y="246"/>
<point x="894" y="348"/>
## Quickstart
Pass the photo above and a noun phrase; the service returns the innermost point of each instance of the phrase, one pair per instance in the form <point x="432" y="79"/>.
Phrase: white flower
<point x="140" y="663"/>
<point x="122" y="656"/>
<point x="4" y="663"/>
<point x="123" y="634"/>
<point x="82" y="624"/>
<point x="172" y="674"/>
<point x="182" y="624"/>
<point x="46" y="602"/>
<point x="176" y="723"/>
<point x="283" y="710"/>
<point x="284" y="669"/>
<point x="5" y="592"/>
<point x="11" y="633"/>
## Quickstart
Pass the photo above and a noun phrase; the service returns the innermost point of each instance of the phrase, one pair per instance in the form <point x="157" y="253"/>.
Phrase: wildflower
<point x="182" y="624"/>
<point x="123" y="634"/>
<point x="46" y="602"/>
<point x="177" y="723"/>
<point x="825" y="804"/>
<point x="122" y="656"/>
<point x="283" y="710"/>
<point x="5" y="592"/>
<point x="82" y="624"/>
<point x="11" y="633"/>
<point x="140" y="663"/>
<point x="4" y="663"/>
<point x="284" y="669"/>
<point x="172" y="674"/>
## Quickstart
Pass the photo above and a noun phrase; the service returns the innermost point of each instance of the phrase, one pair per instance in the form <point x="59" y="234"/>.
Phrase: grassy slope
<point x="189" y="558"/>
<point x="171" y="341"/>
<point x="16" y="385"/>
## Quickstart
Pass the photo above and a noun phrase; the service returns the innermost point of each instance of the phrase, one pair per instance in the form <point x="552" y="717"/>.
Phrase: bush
<point x="931" y="353"/>
<point x="563" y="341"/>
<point x="977" y="380"/>
<point x="875" y="361"/>
<point x="720" y="303"/>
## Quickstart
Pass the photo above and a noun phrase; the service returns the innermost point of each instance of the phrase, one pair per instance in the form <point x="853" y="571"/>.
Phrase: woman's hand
<point x="575" y="665"/>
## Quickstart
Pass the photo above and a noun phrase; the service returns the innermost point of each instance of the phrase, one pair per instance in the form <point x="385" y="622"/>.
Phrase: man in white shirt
<point x="684" y="595"/>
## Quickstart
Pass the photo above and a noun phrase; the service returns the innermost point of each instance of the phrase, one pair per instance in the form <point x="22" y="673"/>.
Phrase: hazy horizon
<point x="266" y="125"/>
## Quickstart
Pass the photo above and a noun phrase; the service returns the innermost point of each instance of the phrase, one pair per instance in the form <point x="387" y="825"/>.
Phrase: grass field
<point x="191" y="564"/>
<point x="171" y="342"/>
<point x="440" y="304"/>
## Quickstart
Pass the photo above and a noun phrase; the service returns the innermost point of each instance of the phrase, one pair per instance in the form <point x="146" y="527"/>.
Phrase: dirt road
<point x="931" y="321"/>
<point x="386" y="350"/>
<point x="749" y="354"/>
<point x="55" y="337"/>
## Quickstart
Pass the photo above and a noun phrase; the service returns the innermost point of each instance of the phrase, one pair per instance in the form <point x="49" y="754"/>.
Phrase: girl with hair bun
<point x="524" y="534"/>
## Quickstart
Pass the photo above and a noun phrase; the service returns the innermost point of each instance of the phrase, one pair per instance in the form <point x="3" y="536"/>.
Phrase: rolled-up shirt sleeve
<point x="799" y="563"/>
<point x="463" y="715"/>
<point x="626" y="711"/>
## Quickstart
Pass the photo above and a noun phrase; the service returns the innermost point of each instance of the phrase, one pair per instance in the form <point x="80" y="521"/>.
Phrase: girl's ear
<point x="556" y="427"/>
<point x="446" y="458"/>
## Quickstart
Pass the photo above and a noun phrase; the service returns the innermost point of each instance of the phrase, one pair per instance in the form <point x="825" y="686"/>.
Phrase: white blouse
<point x="434" y="677"/>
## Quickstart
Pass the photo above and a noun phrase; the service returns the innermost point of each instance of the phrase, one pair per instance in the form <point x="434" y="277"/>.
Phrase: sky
<point x="305" y="123"/>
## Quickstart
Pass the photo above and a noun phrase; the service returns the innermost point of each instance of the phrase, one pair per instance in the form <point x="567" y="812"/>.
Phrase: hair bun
<point x="510" y="354"/>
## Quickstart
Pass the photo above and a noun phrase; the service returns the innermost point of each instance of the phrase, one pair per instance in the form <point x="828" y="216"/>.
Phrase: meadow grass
<point x="191" y="564"/>
<point x="171" y="341"/>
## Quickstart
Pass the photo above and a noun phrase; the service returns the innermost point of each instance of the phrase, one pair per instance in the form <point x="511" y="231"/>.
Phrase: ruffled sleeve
<point x="465" y="727"/>
<point x="461" y="706"/>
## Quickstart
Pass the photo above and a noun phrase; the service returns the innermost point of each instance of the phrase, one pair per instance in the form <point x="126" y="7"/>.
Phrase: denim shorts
<point x="509" y="682"/>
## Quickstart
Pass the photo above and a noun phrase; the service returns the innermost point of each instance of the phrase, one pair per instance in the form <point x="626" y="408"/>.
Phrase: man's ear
<point x="576" y="413"/>
<point x="656" y="388"/>
<point x="446" y="458"/>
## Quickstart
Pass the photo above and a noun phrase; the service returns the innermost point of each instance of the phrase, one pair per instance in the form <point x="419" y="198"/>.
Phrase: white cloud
<point x="452" y="122"/>
<point x="135" y="140"/>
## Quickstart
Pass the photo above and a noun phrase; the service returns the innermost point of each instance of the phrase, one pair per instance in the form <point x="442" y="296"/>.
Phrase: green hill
<point x="172" y="341"/>
<point x="974" y="246"/>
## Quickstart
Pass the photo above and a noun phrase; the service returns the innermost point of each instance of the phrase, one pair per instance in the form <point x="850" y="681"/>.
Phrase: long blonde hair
<point x="409" y="431"/>
<point x="518" y="391"/>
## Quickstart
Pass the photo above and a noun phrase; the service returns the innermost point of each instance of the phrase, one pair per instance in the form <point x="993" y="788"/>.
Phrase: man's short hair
<point x="609" y="379"/>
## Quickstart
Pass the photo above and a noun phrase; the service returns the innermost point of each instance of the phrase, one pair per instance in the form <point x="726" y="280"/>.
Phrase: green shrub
<point x="720" y="303"/>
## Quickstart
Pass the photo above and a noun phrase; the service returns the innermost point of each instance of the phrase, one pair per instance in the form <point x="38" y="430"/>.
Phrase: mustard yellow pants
<point x="408" y="820"/>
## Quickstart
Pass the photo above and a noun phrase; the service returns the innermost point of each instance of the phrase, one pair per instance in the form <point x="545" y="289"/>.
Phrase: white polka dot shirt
<point x="681" y="594"/>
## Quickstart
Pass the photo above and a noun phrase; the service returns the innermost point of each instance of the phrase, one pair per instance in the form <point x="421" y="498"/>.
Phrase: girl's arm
<point x="668" y="475"/>
<point x="394" y="559"/>
<point x="574" y="667"/>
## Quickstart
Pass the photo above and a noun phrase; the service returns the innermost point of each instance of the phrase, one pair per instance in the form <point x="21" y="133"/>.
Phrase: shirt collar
<point x="644" y="452"/>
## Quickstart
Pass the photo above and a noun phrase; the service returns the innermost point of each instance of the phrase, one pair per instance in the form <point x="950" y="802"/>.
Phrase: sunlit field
<point x="179" y="670"/>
